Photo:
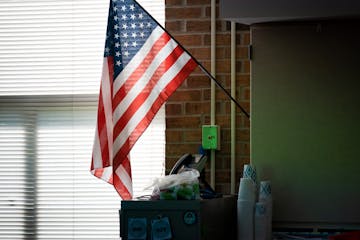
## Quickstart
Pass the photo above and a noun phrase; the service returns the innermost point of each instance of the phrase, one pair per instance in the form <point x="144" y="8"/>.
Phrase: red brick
<point x="245" y="93"/>
<point x="207" y="39"/>
<point x="245" y="38"/>
<point x="198" y="81"/>
<point x="175" y="26"/>
<point x="222" y="120"/>
<point x="183" y="13"/>
<point x="222" y="176"/>
<point x="189" y="40"/>
<point x="198" y="2"/>
<point x="245" y="66"/>
<point x="180" y="149"/>
<point x="243" y="148"/>
<point x="223" y="188"/>
<point x="183" y="122"/>
<point x="198" y="26"/>
<point x="196" y="108"/>
<point x="200" y="53"/>
<point x="185" y="95"/>
<point x="222" y="52"/>
<point x="243" y="79"/>
<point x="173" y="109"/>
<point x="192" y="136"/>
<point x="208" y="12"/>
<point x="223" y="66"/>
<point x="174" y="136"/>
<point x="174" y="2"/>
<point x="242" y="52"/>
<point x="223" y="39"/>
<point x="242" y="134"/>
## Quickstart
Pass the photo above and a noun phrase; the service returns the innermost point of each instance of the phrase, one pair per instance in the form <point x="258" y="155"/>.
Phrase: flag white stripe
<point x="107" y="174"/>
<point x="143" y="110"/>
<point x="97" y="159"/>
<point x="145" y="78"/>
<point x="107" y="102"/>
<point x="125" y="178"/>
<point x="137" y="59"/>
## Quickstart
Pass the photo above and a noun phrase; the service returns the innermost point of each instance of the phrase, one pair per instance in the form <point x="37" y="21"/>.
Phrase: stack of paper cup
<point x="265" y="199"/>
<point x="246" y="204"/>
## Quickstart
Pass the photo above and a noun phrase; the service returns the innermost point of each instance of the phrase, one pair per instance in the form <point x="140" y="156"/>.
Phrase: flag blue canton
<point x="128" y="28"/>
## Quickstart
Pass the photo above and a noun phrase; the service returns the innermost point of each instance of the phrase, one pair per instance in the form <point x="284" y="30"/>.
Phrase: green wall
<point x="305" y="119"/>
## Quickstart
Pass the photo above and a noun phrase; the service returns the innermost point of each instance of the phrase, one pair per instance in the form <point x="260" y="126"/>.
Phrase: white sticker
<point x="160" y="229"/>
<point x="137" y="228"/>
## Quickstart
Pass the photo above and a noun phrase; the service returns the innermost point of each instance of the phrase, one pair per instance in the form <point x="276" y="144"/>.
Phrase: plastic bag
<point x="181" y="186"/>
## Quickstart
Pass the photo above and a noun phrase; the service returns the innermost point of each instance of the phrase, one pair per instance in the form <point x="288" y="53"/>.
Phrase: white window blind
<point x="50" y="66"/>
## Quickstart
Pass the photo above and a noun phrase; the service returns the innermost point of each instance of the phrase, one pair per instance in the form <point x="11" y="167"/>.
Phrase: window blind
<point x="50" y="67"/>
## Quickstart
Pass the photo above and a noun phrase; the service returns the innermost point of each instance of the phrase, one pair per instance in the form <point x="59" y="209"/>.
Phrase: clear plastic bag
<point x="181" y="186"/>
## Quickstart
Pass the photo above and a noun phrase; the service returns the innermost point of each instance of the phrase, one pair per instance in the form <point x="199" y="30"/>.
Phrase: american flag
<point x="142" y="67"/>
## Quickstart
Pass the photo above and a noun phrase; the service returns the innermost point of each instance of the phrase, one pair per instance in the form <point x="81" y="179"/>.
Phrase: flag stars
<point x="107" y="50"/>
<point x="131" y="26"/>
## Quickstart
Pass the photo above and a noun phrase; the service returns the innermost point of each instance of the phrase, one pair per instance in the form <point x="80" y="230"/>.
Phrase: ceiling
<point x="260" y="11"/>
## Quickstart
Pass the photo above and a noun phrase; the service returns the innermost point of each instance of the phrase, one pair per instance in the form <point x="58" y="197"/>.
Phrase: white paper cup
<point x="245" y="220"/>
<point x="264" y="190"/>
<point x="249" y="172"/>
<point x="260" y="221"/>
<point x="247" y="190"/>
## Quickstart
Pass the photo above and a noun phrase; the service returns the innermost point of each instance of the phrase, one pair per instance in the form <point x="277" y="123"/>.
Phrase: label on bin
<point x="160" y="229"/>
<point x="137" y="228"/>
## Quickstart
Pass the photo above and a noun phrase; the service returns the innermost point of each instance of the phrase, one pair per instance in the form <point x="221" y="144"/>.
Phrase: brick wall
<point x="189" y="107"/>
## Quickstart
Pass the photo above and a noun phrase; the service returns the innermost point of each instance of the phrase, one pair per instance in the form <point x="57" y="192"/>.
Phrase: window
<point x="50" y="66"/>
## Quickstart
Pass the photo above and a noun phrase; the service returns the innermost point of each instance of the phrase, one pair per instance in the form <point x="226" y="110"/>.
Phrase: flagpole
<point x="200" y="65"/>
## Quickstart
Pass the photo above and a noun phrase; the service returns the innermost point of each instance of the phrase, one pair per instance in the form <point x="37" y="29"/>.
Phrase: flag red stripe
<point x="139" y="71"/>
<point x="144" y="123"/>
<point x="120" y="187"/>
<point x="102" y="132"/>
<point x="141" y="97"/>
